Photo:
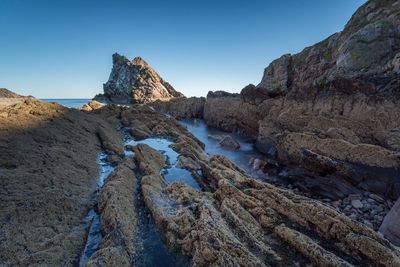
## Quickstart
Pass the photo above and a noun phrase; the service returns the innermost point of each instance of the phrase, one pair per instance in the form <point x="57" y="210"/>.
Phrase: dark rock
<point x="390" y="227"/>
<point x="229" y="142"/>
<point x="254" y="95"/>
<point x="267" y="147"/>
<point x="217" y="94"/>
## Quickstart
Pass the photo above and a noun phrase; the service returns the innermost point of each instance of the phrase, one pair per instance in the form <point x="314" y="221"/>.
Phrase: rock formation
<point x="135" y="82"/>
<point x="233" y="220"/>
<point x="333" y="110"/>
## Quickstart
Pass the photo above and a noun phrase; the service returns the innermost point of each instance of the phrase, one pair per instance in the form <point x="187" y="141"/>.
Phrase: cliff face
<point x="135" y="82"/>
<point x="364" y="57"/>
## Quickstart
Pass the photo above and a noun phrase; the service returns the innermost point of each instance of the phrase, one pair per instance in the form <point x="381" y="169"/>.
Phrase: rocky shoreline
<point x="323" y="191"/>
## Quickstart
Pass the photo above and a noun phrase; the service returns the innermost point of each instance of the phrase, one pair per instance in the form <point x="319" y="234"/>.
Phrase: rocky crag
<point x="135" y="82"/>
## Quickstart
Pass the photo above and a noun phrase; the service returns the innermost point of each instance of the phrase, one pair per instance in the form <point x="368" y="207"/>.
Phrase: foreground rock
<point x="48" y="175"/>
<point x="248" y="223"/>
<point x="135" y="82"/>
<point x="118" y="215"/>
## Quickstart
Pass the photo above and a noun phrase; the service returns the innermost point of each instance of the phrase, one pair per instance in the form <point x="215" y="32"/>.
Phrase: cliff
<point x="364" y="57"/>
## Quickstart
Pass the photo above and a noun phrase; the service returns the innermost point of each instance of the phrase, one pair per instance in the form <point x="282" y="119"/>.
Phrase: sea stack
<point x="135" y="82"/>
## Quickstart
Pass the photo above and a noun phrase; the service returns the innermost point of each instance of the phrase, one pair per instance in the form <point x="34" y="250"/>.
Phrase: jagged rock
<point x="135" y="82"/>
<point x="277" y="76"/>
<point x="361" y="58"/>
<point x="92" y="105"/>
<point x="229" y="142"/>
<point x="390" y="227"/>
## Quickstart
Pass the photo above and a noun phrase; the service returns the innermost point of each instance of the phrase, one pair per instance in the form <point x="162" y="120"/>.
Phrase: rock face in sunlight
<point x="363" y="58"/>
<point x="135" y="82"/>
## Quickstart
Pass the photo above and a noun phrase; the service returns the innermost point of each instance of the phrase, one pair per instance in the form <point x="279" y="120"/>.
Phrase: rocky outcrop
<point x="92" y="105"/>
<point x="135" y="82"/>
<point x="243" y="222"/>
<point x="332" y="108"/>
<point x="363" y="58"/>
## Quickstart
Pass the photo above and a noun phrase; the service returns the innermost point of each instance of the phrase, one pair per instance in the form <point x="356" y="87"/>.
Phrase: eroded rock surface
<point x="48" y="175"/>
<point x="243" y="222"/>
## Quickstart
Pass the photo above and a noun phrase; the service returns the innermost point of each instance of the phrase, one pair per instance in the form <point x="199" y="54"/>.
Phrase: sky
<point x="63" y="49"/>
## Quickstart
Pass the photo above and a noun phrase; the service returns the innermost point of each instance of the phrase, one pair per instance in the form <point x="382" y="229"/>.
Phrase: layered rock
<point x="135" y="82"/>
<point x="118" y="215"/>
<point x="247" y="223"/>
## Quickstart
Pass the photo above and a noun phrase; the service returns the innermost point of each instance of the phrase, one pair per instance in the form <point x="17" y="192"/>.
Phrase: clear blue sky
<point x="62" y="49"/>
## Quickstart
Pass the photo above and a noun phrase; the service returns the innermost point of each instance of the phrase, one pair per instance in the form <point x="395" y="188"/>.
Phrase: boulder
<point x="390" y="227"/>
<point x="92" y="105"/>
<point x="229" y="142"/>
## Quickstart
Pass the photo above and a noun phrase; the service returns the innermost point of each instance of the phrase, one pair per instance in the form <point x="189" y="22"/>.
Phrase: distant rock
<point x="217" y="94"/>
<point x="92" y="105"/>
<point x="135" y="82"/>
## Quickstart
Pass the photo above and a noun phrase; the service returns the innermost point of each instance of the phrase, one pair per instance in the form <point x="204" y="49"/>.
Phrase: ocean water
<point x="69" y="103"/>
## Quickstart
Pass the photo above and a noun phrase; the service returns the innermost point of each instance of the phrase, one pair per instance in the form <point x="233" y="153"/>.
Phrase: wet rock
<point x="215" y="137"/>
<point x="113" y="159"/>
<point x="377" y="198"/>
<point x="150" y="161"/>
<point x="111" y="141"/>
<point x="244" y="222"/>
<point x="118" y="217"/>
<point x="357" y="204"/>
<point x="390" y="227"/>
<point x="229" y="142"/>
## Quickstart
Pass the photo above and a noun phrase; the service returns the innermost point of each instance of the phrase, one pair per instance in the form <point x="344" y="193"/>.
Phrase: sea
<point x="69" y="103"/>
